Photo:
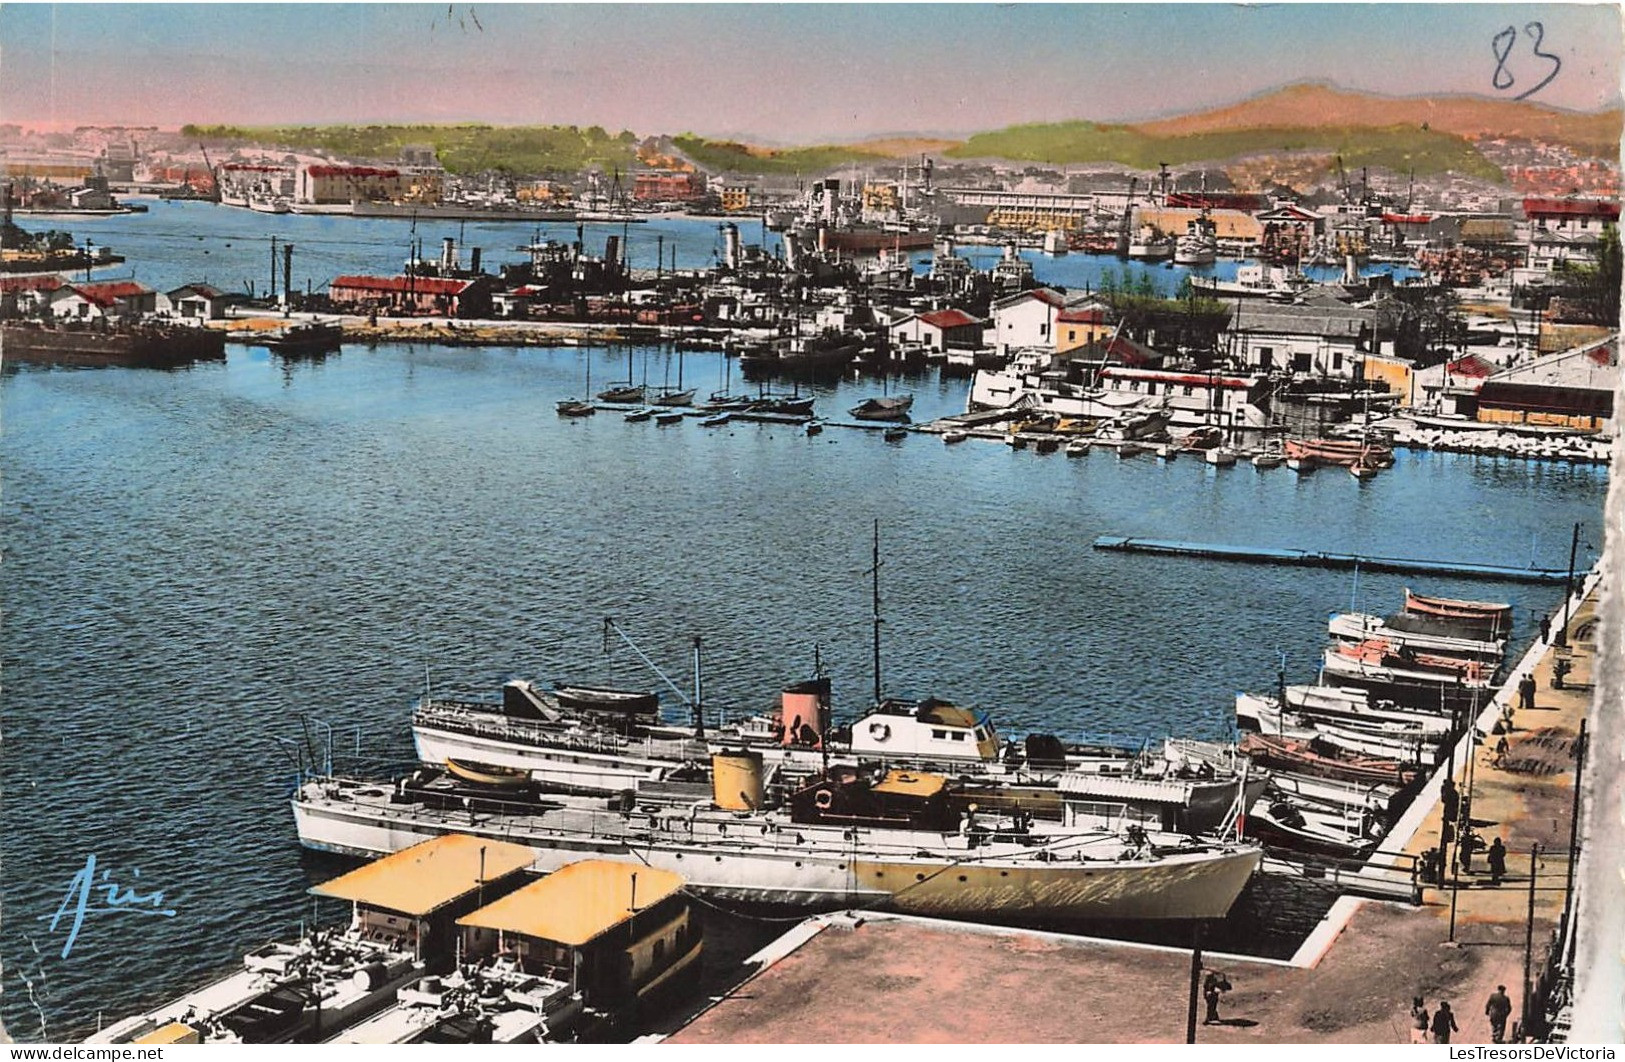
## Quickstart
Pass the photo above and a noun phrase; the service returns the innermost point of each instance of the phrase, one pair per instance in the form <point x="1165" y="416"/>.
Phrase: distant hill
<point x="1472" y="117"/>
<point x="460" y="148"/>
<point x="730" y="156"/>
<point x="1397" y="148"/>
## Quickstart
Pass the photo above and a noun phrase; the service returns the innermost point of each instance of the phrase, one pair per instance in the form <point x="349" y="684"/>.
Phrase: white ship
<point x="1199" y="246"/>
<point x="842" y="840"/>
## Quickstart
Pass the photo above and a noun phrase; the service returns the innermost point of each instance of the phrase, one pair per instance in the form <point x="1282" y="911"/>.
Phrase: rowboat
<point x="1455" y="608"/>
<point x="489" y="774"/>
<point x="1293" y="755"/>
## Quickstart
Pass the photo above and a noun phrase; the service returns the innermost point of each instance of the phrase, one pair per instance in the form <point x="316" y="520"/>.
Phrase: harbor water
<point x="206" y="568"/>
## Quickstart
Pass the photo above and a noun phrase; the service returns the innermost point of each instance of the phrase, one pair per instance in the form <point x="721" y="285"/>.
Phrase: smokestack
<point x="448" y="255"/>
<point x="612" y="252"/>
<point x="730" y="245"/>
<point x="474" y="261"/>
<point x="792" y="252"/>
<point x="1351" y="270"/>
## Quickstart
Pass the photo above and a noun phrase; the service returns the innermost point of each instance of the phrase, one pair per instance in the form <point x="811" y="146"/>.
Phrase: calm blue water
<point x="198" y="562"/>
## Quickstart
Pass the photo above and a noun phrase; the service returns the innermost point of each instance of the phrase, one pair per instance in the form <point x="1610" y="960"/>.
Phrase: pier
<point x="1303" y="558"/>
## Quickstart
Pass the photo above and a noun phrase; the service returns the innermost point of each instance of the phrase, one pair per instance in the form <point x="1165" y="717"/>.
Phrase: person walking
<point x="1498" y="1008"/>
<point x="1546" y="629"/>
<point x="1444" y="1023"/>
<point x="1215" y="984"/>
<point x="1449" y="800"/>
<point x="1498" y="864"/>
<point x="1419" y="1021"/>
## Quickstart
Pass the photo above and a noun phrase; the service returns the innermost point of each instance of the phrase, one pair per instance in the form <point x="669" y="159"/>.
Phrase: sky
<point x="772" y="73"/>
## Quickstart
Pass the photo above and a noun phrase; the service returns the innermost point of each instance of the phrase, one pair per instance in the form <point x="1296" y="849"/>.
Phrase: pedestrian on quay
<point x="1419" y="1021"/>
<point x="1526" y="692"/>
<point x="1469" y="841"/>
<point x="1215" y="984"/>
<point x="1449" y="800"/>
<point x="1497" y="1009"/>
<point x="1500" y="755"/>
<point x="1546" y="628"/>
<point x="1498" y="864"/>
<point x="1444" y="1023"/>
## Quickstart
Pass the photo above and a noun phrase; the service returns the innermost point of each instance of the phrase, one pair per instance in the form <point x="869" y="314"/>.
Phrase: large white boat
<point x="1149" y="243"/>
<point x="532" y="732"/>
<point x="841" y="840"/>
<point x="1199" y="246"/>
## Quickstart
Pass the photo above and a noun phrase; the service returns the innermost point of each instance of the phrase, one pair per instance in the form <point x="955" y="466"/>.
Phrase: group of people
<point x="1439" y="1027"/>
<point x="1457" y="815"/>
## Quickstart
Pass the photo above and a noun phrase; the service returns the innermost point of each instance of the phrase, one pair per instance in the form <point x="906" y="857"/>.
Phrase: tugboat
<point x="307" y="337"/>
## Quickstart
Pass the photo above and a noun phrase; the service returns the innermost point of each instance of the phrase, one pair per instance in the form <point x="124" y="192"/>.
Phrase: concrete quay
<point x="1351" y="980"/>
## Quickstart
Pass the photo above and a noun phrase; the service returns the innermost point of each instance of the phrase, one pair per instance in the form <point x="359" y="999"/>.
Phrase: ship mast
<point x="875" y="572"/>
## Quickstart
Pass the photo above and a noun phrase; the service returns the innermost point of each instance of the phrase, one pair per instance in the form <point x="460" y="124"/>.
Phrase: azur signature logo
<point x="91" y="892"/>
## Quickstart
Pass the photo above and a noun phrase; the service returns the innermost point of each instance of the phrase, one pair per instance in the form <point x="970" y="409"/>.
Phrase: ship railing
<point x="478" y="719"/>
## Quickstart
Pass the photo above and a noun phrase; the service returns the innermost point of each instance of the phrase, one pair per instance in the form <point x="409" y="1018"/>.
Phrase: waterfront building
<point x="668" y="187"/>
<point x="1079" y="326"/>
<point x="411" y="295"/>
<point x="735" y="196"/>
<point x="1319" y="340"/>
<point x="1574" y="390"/>
<point x="21" y="296"/>
<point x="241" y="182"/>
<point x="94" y="301"/>
<point x="323" y="183"/>
<point x="1194" y="399"/>
<point x="1026" y="319"/>
<point x="938" y="330"/>
<point x="1027" y="211"/>
<point x="203" y="302"/>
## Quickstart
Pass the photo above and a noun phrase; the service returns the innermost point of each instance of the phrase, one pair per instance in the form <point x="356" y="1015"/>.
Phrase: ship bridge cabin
<point x="615" y="932"/>
<point x="925" y="730"/>
<point x="413" y="898"/>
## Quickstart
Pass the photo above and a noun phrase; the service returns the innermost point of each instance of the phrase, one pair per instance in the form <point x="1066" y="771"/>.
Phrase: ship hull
<point x="787" y="874"/>
<point x="141" y="348"/>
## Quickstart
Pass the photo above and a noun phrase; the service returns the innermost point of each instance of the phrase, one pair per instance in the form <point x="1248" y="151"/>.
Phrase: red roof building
<point x="113" y="298"/>
<point x="939" y="330"/>
<point x="413" y="295"/>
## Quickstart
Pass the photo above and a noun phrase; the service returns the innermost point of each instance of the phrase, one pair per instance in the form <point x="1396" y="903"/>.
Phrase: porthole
<point x="963" y="878"/>
<point x="919" y="877"/>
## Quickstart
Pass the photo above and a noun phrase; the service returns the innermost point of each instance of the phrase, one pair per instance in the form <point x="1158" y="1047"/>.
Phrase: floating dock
<point x="1303" y="558"/>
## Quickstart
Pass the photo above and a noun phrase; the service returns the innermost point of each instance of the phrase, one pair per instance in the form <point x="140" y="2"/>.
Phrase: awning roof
<point x="422" y="879"/>
<point x="578" y="903"/>
<point x="911" y="783"/>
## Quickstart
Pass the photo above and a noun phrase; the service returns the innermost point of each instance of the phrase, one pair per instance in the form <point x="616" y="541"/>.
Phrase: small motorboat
<point x="1267" y="459"/>
<point x="895" y="434"/>
<point x="1363" y="470"/>
<point x="717" y="421"/>
<point x="1047" y="446"/>
<point x="1077" y="449"/>
<point x="669" y="417"/>
<point x="1301" y="465"/>
<point x="572" y="407"/>
<point x="814" y="428"/>
<point x="1220" y="456"/>
<point x="951" y="437"/>
<point x="638" y="416"/>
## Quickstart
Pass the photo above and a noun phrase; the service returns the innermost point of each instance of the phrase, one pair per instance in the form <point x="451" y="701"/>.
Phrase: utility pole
<point x="273" y="269"/>
<point x="1529" y="940"/>
<point x="1562" y="638"/>
<point x="1196" y="985"/>
<point x="287" y="274"/>
<point x="1566" y="927"/>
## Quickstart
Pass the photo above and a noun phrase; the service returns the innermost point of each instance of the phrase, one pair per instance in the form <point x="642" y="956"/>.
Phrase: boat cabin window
<point x="959" y="735"/>
<point x="1189" y="390"/>
<point x="939" y="735"/>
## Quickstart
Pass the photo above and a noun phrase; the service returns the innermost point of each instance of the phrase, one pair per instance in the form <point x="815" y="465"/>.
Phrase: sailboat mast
<point x="699" y="710"/>
<point x="876" y="594"/>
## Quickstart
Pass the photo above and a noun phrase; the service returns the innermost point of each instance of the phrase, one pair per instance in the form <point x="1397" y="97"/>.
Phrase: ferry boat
<point x="403" y="908"/>
<point x="843" y="839"/>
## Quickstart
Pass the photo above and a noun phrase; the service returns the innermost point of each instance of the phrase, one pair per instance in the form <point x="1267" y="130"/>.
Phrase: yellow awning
<point x="578" y="903"/>
<point x="174" y="1033"/>
<point x="911" y="783"/>
<point x="424" y="878"/>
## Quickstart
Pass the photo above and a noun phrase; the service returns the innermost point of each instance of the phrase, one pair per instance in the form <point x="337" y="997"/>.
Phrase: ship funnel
<point x="612" y="252"/>
<point x="448" y="255"/>
<point x="730" y="245"/>
<point x="736" y="780"/>
<point x="803" y="710"/>
<point x="792" y="252"/>
<point x="1351" y="269"/>
<point x="474" y="260"/>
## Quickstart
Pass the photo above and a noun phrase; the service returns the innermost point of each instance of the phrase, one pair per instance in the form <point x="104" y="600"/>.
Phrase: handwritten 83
<point x="1503" y="44"/>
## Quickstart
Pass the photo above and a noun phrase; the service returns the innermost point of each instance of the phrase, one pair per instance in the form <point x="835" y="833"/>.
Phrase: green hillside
<point x="727" y="156"/>
<point x="1396" y="147"/>
<point x="461" y="148"/>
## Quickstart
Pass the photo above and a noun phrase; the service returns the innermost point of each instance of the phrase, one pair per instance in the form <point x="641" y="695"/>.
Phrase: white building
<point x="1026" y="319"/>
